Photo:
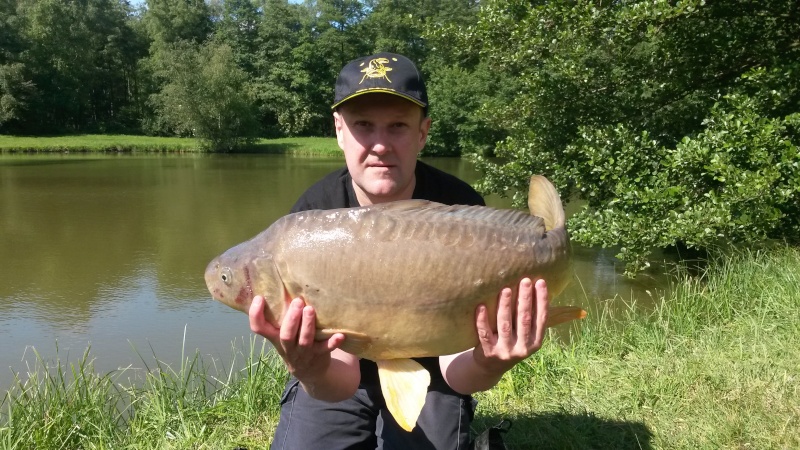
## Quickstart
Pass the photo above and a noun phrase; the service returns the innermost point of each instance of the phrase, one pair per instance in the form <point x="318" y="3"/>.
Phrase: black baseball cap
<point x="384" y="72"/>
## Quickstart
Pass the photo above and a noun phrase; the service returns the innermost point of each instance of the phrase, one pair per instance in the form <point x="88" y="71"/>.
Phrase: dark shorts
<point x="363" y="422"/>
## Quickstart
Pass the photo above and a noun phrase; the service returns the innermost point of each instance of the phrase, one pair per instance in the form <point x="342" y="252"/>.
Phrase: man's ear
<point x="338" y="123"/>
<point x="424" y="128"/>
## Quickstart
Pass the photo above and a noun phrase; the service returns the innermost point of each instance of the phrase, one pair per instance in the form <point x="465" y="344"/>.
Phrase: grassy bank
<point x="714" y="365"/>
<point x="128" y="143"/>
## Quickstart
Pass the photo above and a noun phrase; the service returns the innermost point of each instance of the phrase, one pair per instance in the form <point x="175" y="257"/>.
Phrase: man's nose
<point x="381" y="144"/>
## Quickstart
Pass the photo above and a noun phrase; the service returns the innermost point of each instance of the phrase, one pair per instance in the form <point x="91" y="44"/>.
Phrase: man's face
<point x="381" y="136"/>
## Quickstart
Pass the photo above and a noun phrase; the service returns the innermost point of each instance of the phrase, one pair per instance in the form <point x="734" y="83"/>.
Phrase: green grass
<point x="297" y="146"/>
<point x="715" y="365"/>
<point x="195" y="406"/>
<point x="128" y="143"/>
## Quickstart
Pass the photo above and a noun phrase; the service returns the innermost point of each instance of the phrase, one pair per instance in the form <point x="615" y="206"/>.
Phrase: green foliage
<point x="737" y="181"/>
<point x="69" y="66"/>
<point x="14" y="91"/>
<point x="670" y="135"/>
<point x="335" y="35"/>
<point x="172" y="21"/>
<point x="204" y="95"/>
<point x="98" y="65"/>
<point x="457" y="97"/>
<point x="237" y="27"/>
<point x="281" y="85"/>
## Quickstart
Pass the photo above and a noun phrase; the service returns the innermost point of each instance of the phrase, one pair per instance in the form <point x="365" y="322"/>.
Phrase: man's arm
<point x="520" y="331"/>
<point x="324" y="371"/>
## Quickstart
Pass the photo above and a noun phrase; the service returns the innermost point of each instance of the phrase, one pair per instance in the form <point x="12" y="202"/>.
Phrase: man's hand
<point x="520" y="331"/>
<point x="306" y="359"/>
<point x="520" y="327"/>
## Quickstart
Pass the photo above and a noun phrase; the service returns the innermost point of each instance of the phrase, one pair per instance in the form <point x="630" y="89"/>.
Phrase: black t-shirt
<point x="335" y="190"/>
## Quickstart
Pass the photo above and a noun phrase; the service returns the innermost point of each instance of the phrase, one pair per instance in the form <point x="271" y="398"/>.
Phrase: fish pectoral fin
<point x="560" y="314"/>
<point x="354" y="343"/>
<point x="404" y="384"/>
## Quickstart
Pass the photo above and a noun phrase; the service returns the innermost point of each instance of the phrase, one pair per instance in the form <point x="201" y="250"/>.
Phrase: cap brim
<point x="379" y="91"/>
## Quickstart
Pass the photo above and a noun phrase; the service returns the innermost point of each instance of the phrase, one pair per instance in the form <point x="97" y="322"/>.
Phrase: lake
<point x="107" y="252"/>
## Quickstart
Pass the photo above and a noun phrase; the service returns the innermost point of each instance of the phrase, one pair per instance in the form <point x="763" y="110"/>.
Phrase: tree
<point x="203" y="94"/>
<point x="676" y="123"/>
<point x="15" y="88"/>
<point x="80" y="56"/>
<point x="278" y="75"/>
<point x="171" y="21"/>
<point x="331" y="35"/>
<point x="237" y="27"/>
<point x="14" y="92"/>
<point x="458" y="97"/>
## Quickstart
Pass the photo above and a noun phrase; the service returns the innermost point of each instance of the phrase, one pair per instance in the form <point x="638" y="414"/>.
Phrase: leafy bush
<point x="676" y="123"/>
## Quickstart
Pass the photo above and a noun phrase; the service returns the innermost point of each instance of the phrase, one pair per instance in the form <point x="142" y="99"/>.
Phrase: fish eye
<point x="226" y="276"/>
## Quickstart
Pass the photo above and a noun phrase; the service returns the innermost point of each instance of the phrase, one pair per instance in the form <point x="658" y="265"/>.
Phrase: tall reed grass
<point x="198" y="405"/>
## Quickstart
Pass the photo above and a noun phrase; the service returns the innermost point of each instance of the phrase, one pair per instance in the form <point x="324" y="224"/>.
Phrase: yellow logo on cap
<point x="376" y="69"/>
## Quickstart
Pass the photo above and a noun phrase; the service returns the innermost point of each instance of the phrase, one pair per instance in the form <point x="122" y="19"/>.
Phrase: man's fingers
<point x="524" y="310"/>
<point x="308" y="327"/>
<point x="505" y="316"/>
<point x="292" y="321"/>
<point x="542" y="307"/>
<point x="330" y="344"/>
<point x="485" y="333"/>
<point x="255" y="313"/>
<point x="258" y="323"/>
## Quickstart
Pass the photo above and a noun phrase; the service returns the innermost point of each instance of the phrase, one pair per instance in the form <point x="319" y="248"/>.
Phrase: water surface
<point x="108" y="251"/>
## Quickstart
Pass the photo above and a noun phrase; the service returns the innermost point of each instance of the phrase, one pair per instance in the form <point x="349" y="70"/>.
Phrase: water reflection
<point x="109" y="251"/>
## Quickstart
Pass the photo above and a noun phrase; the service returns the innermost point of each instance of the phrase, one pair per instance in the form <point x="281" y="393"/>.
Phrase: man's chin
<point x="384" y="190"/>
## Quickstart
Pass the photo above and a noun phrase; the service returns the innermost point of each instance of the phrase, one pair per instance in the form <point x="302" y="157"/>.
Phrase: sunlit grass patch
<point x="98" y="143"/>
<point x="131" y="143"/>
<point x="714" y="365"/>
<point x="298" y="146"/>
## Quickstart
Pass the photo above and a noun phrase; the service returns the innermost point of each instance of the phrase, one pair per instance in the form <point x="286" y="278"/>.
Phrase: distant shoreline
<point x="120" y="143"/>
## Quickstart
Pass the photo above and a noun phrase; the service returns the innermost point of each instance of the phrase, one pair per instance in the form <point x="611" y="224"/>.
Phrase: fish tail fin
<point x="560" y="314"/>
<point x="404" y="384"/>
<point x="544" y="201"/>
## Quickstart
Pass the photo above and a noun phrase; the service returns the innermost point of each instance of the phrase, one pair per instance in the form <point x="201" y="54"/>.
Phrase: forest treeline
<point x="677" y="122"/>
<point x="222" y="70"/>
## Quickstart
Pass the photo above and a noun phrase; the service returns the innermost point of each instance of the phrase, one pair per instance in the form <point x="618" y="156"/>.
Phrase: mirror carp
<point x="400" y="279"/>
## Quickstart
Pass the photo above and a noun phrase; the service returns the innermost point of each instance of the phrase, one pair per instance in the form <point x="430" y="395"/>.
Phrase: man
<point x="333" y="399"/>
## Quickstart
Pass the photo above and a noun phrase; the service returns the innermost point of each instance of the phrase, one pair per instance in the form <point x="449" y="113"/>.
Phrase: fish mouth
<point x="211" y="277"/>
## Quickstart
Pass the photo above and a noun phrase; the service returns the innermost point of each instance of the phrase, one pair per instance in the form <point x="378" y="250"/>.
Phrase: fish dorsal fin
<point x="404" y="384"/>
<point x="544" y="201"/>
<point x="354" y="343"/>
<point x="561" y="314"/>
